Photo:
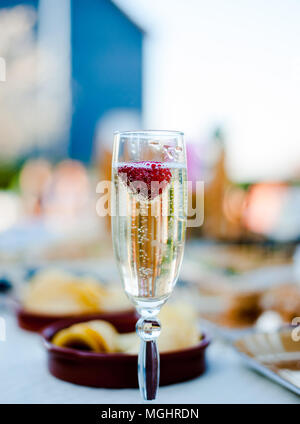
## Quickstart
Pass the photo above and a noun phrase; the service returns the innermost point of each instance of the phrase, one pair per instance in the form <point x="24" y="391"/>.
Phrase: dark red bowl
<point x="118" y="370"/>
<point x="124" y="321"/>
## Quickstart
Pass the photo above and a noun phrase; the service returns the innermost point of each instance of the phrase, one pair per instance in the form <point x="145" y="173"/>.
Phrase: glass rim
<point x="150" y="133"/>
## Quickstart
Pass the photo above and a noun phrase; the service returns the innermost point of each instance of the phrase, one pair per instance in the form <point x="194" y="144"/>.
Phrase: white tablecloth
<point x="24" y="378"/>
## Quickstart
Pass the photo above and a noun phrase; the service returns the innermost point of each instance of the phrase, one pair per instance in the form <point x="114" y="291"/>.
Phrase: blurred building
<point x="13" y="3"/>
<point x="86" y="62"/>
<point x="106" y="68"/>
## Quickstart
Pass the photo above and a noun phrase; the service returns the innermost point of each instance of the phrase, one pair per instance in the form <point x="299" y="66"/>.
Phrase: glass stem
<point x="148" y="328"/>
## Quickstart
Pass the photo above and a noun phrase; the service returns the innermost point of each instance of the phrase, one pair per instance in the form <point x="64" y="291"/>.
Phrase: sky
<point x="230" y="63"/>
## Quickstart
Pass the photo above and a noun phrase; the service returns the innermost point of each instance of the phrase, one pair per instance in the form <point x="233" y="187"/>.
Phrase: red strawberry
<point x="146" y="178"/>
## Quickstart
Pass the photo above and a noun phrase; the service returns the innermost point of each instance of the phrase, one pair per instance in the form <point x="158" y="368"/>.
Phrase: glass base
<point x="148" y="328"/>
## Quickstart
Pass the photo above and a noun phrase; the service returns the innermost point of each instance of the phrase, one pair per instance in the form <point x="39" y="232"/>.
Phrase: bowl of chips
<point x="93" y="353"/>
<point x="53" y="295"/>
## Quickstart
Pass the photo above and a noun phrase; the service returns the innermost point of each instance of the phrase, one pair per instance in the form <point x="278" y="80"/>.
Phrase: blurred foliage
<point x="9" y="175"/>
<point x="244" y="186"/>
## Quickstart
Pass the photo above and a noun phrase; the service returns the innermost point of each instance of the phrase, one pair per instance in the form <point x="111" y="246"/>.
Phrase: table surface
<point x="25" y="378"/>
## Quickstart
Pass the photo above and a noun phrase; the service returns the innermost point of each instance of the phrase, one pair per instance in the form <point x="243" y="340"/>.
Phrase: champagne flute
<point x="149" y="206"/>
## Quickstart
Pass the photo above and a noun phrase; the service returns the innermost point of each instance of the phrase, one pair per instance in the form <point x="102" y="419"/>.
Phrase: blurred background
<point x="225" y="73"/>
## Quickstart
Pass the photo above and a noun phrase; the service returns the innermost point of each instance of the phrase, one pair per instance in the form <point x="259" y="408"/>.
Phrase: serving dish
<point x="274" y="354"/>
<point x="118" y="370"/>
<point x="124" y="321"/>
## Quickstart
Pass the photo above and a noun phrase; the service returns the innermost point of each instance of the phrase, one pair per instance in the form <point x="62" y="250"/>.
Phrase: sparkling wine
<point x="149" y="220"/>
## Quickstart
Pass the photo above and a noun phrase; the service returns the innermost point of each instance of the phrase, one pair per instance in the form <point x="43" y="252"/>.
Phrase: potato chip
<point x="179" y="330"/>
<point x="106" y="335"/>
<point x="97" y="336"/>
<point x="58" y="292"/>
<point x="78" y="337"/>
